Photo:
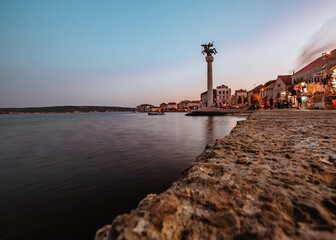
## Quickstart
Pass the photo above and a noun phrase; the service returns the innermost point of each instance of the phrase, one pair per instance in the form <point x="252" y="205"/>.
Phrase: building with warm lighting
<point x="241" y="93"/>
<point x="154" y="109"/>
<point x="241" y="96"/>
<point x="196" y="104"/>
<point x="172" y="106"/>
<point x="267" y="90"/>
<point x="204" y="98"/>
<point x="183" y="105"/>
<point x="280" y="89"/>
<point x="223" y="95"/>
<point x="315" y="71"/>
<point x="315" y="84"/>
<point x="163" y="106"/>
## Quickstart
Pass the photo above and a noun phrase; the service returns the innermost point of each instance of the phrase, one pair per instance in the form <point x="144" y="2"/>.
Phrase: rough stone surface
<point x="273" y="177"/>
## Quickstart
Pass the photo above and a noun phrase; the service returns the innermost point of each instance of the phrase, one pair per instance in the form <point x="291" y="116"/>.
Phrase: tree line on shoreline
<point x="66" y="109"/>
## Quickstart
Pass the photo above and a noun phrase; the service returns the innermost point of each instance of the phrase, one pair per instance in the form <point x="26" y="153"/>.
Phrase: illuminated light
<point x="328" y="53"/>
<point x="304" y="99"/>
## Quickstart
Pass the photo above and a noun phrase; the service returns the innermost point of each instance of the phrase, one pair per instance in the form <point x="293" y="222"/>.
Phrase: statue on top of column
<point x="208" y="50"/>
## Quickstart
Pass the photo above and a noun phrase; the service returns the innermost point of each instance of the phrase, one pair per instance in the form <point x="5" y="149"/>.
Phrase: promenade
<point x="273" y="177"/>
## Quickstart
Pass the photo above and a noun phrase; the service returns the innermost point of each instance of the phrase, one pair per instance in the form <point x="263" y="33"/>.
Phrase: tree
<point x="255" y="99"/>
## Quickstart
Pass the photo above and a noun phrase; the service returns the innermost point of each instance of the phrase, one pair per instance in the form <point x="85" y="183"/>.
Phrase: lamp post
<point x="208" y="51"/>
<point x="325" y="58"/>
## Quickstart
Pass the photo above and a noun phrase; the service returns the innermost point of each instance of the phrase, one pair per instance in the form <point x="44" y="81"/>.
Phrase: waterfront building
<point x="183" y="105"/>
<point x="267" y="90"/>
<point x="281" y="88"/>
<point x="154" y="109"/>
<point x="330" y="88"/>
<point x="241" y="93"/>
<point x="196" y="104"/>
<point x="172" y="106"/>
<point x="315" y="71"/>
<point x="144" y="108"/>
<point x="266" y="94"/>
<point x="163" y="106"/>
<point x="204" y="98"/>
<point x="223" y="95"/>
<point x="315" y="83"/>
<point x="241" y="96"/>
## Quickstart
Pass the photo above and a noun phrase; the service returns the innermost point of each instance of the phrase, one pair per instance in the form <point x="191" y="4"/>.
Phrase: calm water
<point x="62" y="176"/>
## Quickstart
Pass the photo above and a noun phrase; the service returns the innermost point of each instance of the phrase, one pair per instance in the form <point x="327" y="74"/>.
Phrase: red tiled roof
<point x="171" y="103"/>
<point x="271" y="86"/>
<point x="240" y="90"/>
<point x="314" y="64"/>
<point x="256" y="89"/>
<point x="287" y="79"/>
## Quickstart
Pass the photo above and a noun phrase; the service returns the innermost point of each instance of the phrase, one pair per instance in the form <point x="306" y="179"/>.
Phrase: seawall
<point x="273" y="177"/>
<point x="219" y="112"/>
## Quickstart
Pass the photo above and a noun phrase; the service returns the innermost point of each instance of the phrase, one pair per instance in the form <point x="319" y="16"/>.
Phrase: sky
<point x="126" y="53"/>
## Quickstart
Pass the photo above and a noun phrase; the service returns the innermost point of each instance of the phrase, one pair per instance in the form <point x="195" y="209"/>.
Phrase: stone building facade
<point x="223" y="95"/>
<point x="204" y="98"/>
<point x="280" y="89"/>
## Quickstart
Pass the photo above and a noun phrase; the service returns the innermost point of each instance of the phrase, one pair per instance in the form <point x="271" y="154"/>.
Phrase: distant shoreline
<point x="65" y="109"/>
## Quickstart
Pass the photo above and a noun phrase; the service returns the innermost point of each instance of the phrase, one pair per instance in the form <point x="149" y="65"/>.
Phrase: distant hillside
<point x="65" y="109"/>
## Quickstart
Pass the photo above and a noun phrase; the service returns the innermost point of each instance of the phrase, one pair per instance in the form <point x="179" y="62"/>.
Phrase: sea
<point x="63" y="176"/>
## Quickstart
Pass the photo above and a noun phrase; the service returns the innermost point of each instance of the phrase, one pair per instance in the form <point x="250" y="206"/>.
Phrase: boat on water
<point x="155" y="113"/>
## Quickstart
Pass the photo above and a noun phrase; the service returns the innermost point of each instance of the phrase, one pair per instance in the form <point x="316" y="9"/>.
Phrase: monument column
<point x="208" y="51"/>
<point x="210" y="96"/>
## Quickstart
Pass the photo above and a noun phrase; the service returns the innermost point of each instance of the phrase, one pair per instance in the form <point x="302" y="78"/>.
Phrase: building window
<point x="279" y="85"/>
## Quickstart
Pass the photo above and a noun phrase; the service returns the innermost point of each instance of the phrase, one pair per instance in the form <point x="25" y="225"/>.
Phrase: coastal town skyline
<point x="126" y="54"/>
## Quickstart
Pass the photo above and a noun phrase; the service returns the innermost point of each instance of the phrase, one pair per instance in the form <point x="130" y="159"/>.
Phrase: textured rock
<point x="273" y="177"/>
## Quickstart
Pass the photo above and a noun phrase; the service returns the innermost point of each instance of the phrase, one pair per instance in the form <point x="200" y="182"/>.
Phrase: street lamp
<point x="325" y="58"/>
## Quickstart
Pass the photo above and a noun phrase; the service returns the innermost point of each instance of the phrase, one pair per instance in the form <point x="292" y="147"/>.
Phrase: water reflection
<point x="62" y="176"/>
<point x="210" y="129"/>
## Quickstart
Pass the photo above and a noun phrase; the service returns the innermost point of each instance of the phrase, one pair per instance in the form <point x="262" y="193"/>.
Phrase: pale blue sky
<point x="124" y="53"/>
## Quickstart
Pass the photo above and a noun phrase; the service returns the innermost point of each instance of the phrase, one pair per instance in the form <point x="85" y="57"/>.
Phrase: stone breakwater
<point x="273" y="177"/>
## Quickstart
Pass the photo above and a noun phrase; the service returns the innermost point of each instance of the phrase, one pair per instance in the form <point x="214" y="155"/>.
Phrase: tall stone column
<point x="210" y="96"/>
